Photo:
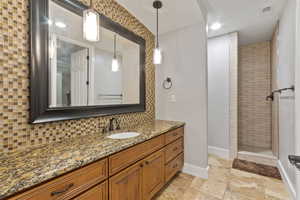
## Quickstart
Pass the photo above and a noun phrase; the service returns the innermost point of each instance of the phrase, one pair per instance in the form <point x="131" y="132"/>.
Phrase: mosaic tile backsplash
<point x="15" y="131"/>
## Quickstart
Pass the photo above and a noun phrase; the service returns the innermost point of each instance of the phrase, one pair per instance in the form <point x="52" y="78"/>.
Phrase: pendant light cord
<point x="157" y="43"/>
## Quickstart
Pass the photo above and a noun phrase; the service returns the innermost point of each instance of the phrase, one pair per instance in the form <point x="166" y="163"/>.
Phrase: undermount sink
<point x="124" y="135"/>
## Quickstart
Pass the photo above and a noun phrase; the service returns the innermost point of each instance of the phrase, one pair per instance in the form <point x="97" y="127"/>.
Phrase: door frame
<point x="53" y="67"/>
<point x="297" y="95"/>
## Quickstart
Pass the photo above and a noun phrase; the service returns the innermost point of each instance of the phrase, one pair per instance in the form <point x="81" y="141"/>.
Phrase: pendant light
<point x="91" y="24"/>
<point x="157" y="54"/>
<point x="115" y="64"/>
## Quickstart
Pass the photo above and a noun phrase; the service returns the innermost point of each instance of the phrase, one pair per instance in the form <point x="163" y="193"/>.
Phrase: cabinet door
<point x="153" y="174"/>
<point x="127" y="185"/>
<point x="98" y="192"/>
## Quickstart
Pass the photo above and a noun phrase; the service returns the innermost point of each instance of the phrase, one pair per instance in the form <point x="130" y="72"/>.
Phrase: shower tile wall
<point x="254" y="85"/>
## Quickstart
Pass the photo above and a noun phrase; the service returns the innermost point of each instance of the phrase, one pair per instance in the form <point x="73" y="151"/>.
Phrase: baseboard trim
<point x="223" y="153"/>
<point x="286" y="180"/>
<point x="195" y="170"/>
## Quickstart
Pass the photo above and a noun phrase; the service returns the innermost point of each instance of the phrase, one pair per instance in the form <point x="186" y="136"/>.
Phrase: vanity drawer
<point x="173" y="167"/>
<point x="129" y="156"/>
<point x="174" y="135"/>
<point x="173" y="149"/>
<point x="69" y="185"/>
<point x="99" y="192"/>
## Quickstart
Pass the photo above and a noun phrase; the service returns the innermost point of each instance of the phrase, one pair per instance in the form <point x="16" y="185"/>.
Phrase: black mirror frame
<point x="39" y="84"/>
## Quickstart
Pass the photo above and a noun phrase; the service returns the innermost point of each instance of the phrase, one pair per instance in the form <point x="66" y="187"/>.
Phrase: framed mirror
<point x="72" y="78"/>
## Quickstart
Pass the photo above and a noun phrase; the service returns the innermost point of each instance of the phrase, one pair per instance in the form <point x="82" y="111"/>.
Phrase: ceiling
<point x="73" y="30"/>
<point x="246" y="17"/>
<point x="174" y="15"/>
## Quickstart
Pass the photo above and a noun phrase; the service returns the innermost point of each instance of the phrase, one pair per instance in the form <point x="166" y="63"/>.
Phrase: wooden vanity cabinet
<point x="127" y="184"/>
<point x="136" y="173"/>
<point x="140" y="181"/>
<point x="125" y="158"/>
<point x="173" y="167"/>
<point x="153" y="174"/>
<point x="70" y="185"/>
<point x="99" y="192"/>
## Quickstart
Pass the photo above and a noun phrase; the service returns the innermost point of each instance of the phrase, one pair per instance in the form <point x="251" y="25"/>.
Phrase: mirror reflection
<point x="84" y="73"/>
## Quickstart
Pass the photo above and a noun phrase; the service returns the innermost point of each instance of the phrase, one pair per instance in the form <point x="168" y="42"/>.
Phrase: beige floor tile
<point x="191" y="194"/>
<point x="206" y="197"/>
<point x="170" y="193"/>
<point x="224" y="183"/>
<point x="234" y="173"/>
<point x="219" y="162"/>
<point x="214" y="188"/>
<point x="197" y="183"/>
<point x="247" y="185"/>
<point x="219" y="174"/>
<point x="235" y="196"/>
<point x="275" y="189"/>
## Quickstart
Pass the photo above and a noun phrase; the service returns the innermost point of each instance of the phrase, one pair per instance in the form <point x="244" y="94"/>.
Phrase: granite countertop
<point x="24" y="169"/>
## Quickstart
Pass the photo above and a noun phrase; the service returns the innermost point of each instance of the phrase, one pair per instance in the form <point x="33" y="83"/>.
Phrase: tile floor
<point x="224" y="183"/>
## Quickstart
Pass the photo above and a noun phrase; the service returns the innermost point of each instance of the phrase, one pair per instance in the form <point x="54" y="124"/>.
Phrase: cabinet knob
<point x="142" y="165"/>
<point x="147" y="162"/>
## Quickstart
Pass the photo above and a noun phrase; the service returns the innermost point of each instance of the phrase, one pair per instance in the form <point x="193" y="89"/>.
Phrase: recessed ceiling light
<point x="60" y="25"/>
<point x="216" y="26"/>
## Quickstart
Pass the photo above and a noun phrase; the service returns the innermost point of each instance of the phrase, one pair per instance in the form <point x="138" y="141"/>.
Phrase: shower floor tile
<point x="258" y="150"/>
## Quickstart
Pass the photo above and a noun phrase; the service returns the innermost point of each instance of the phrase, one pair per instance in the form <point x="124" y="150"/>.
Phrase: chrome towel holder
<point x="271" y="96"/>
<point x="167" y="84"/>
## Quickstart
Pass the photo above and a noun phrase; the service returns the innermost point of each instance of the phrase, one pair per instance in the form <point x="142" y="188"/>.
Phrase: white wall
<point x="218" y="91"/>
<point x="110" y="82"/>
<point x="184" y="60"/>
<point x="285" y="79"/>
<point x="131" y="75"/>
<point x="297" y="95"/>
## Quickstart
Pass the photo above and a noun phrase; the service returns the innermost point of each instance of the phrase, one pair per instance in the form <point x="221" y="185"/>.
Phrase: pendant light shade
<point x="91" y="24"/>
<point x="115" y="63"/>
<point x="157" y="54"/>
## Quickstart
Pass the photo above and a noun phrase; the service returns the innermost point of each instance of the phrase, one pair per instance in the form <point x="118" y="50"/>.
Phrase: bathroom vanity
<point x="72" y="78"/>
<point x="98" y="168"/>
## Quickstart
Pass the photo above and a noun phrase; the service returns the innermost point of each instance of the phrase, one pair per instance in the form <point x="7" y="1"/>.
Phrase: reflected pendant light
<point x="91" y="24"/>
<point x="157" y="54"/>
<point x="115" y="63"/>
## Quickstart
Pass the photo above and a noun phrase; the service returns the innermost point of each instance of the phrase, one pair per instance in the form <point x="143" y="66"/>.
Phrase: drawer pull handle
<point x="175" y="149"/>
<point x="175" y="166"/>
<point x="175" y="133"/>
<point x="63" y="190"/>
<point x="147" y="162"/>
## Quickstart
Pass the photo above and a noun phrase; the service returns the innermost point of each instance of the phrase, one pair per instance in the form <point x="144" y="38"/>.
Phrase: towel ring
<point x="167" y="84"/>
